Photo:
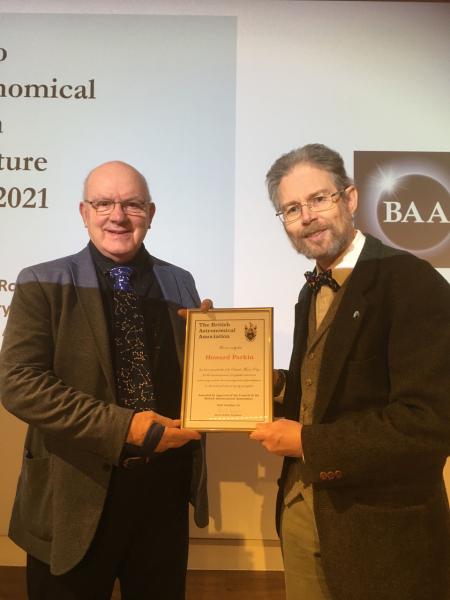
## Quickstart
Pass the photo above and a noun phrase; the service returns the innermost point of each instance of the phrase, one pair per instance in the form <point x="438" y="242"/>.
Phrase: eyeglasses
<point x="129" y="207"/>
<point x="292" y="212"/>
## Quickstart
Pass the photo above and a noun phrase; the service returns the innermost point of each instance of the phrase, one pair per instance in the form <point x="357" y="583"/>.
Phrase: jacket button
<point x="331" y="475"/>
<point x="323" y="475"/>
<point x="338" y="474"/>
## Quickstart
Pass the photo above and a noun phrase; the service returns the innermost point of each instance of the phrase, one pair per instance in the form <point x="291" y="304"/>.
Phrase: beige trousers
<point x="304" y="577"/>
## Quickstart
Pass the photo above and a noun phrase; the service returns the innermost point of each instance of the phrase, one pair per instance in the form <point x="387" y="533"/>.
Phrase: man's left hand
<point x="174" y="436"/>
<point x="282" y="437"/>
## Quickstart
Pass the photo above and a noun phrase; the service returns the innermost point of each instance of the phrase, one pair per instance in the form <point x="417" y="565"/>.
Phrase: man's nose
<point x="307" y="214"/>
<point x="117" y="213"/>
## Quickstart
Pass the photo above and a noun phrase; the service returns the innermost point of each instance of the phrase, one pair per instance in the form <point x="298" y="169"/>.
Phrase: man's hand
<point x="139" y="425"/>
<point x="205" y="305"/>
<point x="173" y="436"/>
<point x="282" y="437"/>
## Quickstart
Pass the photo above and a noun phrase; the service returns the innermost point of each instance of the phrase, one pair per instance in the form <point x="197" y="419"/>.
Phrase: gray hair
<point x="318" y="155"/>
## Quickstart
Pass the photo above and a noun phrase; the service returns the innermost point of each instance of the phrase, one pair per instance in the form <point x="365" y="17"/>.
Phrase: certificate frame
<point x="228" y="364"/>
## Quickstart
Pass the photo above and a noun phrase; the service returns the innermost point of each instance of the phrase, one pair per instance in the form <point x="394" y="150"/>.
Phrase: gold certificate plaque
<point x="227" y="379"/>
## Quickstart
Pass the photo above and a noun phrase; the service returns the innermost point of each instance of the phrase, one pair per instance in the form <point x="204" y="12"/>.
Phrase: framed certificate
<point x="227" y="379"/>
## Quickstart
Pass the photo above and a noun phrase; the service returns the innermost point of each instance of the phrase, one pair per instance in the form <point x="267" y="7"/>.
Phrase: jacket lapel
<point x="293" y="390"/>
<point x="177" y="296"/>
<point x="301" y="323"/>
<point x="176" y="285"/>
<point x="86" y="287"/>
<point x="167" y="282"/>
<point x="347" y="324"/>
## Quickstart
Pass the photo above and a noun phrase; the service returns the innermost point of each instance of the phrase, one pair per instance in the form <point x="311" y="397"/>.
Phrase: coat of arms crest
<point x="250" y="331"/>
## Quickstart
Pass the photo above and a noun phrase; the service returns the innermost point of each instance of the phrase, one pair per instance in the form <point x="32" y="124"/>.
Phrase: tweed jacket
<point x="56" y="375"/>
<point x="380" y="431"/>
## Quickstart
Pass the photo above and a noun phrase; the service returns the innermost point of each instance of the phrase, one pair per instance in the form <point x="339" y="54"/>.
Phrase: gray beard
<point x="339" y="243"/>
<point x="335" y="249"/>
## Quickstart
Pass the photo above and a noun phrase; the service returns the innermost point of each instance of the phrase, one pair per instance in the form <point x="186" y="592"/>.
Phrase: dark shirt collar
<point x="141" y="261"/>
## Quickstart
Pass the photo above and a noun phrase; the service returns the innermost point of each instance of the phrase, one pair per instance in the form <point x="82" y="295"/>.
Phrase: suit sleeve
<point x="405" y="430"/>
<point x="32" y="390"/>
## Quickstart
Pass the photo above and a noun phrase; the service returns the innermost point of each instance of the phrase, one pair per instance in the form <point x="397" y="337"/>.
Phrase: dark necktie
<point x="133" y="374"/>
<point x="317" y="280"/>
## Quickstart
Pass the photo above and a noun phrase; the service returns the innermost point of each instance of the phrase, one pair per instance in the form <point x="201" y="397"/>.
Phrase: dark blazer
<point x="56" y="375"/>
<point x="380" y="435"/>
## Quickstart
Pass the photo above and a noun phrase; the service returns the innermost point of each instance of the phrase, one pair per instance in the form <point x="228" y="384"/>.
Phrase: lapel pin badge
<point x="356" y="314"/>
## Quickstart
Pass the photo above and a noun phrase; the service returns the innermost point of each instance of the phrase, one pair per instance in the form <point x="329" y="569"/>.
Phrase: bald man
<point x="107" y="471"/>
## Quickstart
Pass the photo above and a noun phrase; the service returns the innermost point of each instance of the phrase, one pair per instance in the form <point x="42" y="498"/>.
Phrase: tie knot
<point x="317" y="280"/>
<point x="122" y="276"/>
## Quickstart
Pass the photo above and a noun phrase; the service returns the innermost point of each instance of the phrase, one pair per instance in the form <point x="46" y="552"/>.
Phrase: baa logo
<point x="250" y="331"/>
<point x="404" y="199"/>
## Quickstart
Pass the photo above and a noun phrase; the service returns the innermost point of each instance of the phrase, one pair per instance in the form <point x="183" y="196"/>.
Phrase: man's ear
<point x="151" y="213"/>
<point x="82" y="209"/>
<point x="351" y="194"/>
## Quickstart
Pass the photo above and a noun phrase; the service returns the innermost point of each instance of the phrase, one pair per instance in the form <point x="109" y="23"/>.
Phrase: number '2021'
<point x="27" y="198"/>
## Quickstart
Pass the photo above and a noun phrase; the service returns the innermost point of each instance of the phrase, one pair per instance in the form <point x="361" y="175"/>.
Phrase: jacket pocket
<point x="35" y="497"/>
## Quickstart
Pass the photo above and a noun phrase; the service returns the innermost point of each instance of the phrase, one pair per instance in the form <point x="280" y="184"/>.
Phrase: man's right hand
<point x="205" y="305"/>
<point x="173" y="436"/>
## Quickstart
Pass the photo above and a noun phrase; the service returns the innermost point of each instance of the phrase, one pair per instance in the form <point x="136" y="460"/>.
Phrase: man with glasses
<point x="91" y="361"/>
<point x="362" y="509"/>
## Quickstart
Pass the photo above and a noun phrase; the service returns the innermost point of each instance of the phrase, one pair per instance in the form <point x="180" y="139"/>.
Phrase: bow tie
<point x="316" y="281"/>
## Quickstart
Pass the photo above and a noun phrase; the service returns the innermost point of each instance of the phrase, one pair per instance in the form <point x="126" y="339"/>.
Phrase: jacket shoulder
<point x="175" y="269"/>
<point x="52" y="271"/>
<point x="395" y="257"/>
<point x="401" y="276"/>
